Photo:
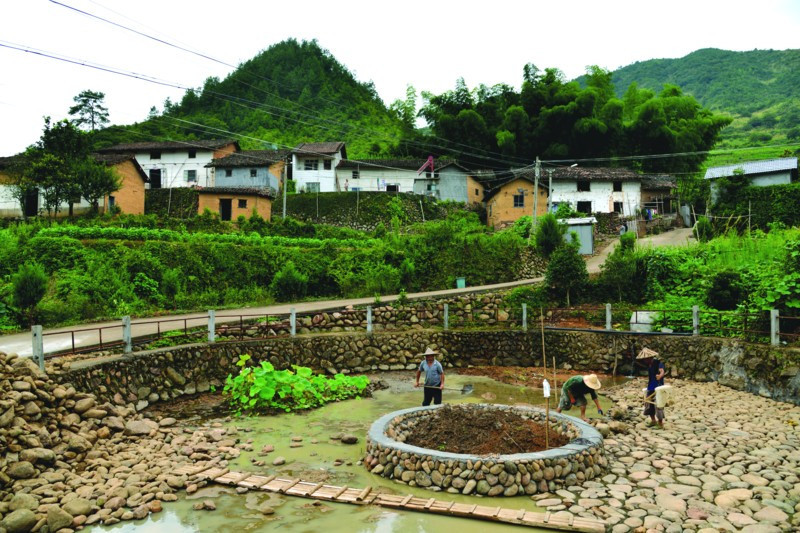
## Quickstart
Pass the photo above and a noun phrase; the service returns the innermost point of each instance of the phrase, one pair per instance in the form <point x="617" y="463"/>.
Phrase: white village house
<point x="759" y="173"/>
<point x="314" y="166"/>
<point x="177" y="163"/>
<point x="595" y="190"/>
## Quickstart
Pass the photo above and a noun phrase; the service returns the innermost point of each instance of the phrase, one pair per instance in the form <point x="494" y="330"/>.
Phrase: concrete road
<point x="90" y="334"/>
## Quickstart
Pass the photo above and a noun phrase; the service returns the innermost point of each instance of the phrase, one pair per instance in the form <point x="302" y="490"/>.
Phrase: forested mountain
<point x="290" y="93"/>
<point x="760" y="89"/>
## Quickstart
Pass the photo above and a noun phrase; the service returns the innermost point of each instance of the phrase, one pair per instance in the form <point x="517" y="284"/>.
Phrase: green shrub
<point x="289" y="283"/>
<point x="627" y="241"/>
<point x="702" y="230"/>
<point x="566" y="271"/>
<point x="549" y="234"/>
<point x="725" y="291"/>
<point x="29" y="286"/>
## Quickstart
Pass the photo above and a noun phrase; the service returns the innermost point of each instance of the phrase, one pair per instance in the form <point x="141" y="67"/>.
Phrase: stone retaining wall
<point x="497" y="475"/>
<point x="167" y="373"/>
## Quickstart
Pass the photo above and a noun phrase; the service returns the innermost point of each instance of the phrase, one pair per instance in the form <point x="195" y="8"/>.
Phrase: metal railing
<point x="755" y="327"/>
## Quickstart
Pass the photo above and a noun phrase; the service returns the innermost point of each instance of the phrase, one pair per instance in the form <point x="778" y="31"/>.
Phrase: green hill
<point x="760" y="89"/>
<point x="290" y="93"/>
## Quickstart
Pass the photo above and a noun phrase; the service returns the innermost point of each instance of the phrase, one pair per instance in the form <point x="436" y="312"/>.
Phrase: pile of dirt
<point x="465" y="429"/>
<point x="528" y="376"/>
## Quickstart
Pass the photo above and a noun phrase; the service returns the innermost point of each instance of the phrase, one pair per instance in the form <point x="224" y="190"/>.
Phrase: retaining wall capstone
<point x="497" y="475"/>
<point x="146" y="377"/>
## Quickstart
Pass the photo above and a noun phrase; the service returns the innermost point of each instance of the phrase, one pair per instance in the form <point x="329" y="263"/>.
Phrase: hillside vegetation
<point x="290" y="93"/>
<point x="759" y="89"/>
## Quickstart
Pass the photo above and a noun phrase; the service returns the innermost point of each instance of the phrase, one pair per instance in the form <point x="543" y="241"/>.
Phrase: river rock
<point x="57" y="518"/>
<point x="19" y="521"/>
<point x="139" y="427"/>
<point x="23" y="500"/>
<point x="349" y="438"/>
<point x="21" y="470"/>
<point x="78" y="506"/>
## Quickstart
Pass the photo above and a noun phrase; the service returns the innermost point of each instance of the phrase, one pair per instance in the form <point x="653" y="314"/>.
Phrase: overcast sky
<point x="428" y="44"/>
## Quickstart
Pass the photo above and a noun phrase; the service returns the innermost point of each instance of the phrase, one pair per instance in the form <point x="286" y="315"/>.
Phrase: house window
<point x="355" y="174"/>
<point x="585" y="207"/>
<point x="326" y="164"/>
<point x="618" y="207"/>
<point x="253" y="172"/>
<point x="617" y="186"/>
<point x="476" y="192"/>
<point x="155" y="178"/>
<point x="431" y="187"/>
<point x="311" y="164"/>
<point x="190" y="175"/>
<point x="228" y="172"/>
<point x="583" y="186"/>
<point x="242" y="204"/>
<point x="312" y="186"/>
<point x="519" y="200"/>
<point x="392" y="187"/>
<point x="192" y="154"/>
<point x="111" y="201"/>
<point x="155" y="154"/>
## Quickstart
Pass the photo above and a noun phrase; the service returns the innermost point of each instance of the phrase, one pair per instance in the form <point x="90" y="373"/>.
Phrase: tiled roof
<point x="249" y="158"/>
<point x="326" y="148"/>
<point x="754" y="167"/>
<point x="6" y="162"/>
<point x="170" y="145"/>
<point x="263" y="192"/>
<point x="589" y="173"/>
<point x="659" y="182"/>
<point x="389" y="164"/>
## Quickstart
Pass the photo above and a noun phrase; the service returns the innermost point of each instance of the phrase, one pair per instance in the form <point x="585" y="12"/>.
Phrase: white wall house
<point x="390" y="175"/>
<point x="177" y="163"/>
<point x="314" y="166"/>
<point x="596" y="190"/>
<point x="10" y="206"/>
<point x="760" y="173"/>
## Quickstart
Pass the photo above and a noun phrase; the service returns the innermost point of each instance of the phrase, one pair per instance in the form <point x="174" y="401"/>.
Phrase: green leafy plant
<point x="262" y="387"/>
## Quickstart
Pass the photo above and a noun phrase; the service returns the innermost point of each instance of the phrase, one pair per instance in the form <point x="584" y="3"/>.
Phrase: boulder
<point x="139" y="427"/>
<point x="78" y="507"/>
<point x="19" y="521"/>
<point x="21" y="470"/>
<point x="57" y="518"/>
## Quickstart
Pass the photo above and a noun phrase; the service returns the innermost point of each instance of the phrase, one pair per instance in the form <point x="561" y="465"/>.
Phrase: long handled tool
<point x="466" y="389"/>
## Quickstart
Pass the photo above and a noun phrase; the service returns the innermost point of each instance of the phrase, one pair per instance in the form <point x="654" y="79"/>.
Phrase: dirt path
<point x="675" y="237"/>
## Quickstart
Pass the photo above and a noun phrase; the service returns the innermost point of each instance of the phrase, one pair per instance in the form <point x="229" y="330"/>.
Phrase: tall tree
<point x="96" y="180"/>
<point x="90" y="110"/>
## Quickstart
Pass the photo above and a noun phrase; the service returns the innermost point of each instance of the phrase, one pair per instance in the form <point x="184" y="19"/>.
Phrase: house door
<point x="155" y="178"/>
<point x="225" y="208"/>
<point x="31" y="202"/>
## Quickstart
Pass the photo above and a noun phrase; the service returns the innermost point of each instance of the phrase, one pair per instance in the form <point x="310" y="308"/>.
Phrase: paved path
<point x="111" y="331"/>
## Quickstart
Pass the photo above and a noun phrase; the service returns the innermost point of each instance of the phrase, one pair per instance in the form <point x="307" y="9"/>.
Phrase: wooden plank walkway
<point x="366" y="496"/>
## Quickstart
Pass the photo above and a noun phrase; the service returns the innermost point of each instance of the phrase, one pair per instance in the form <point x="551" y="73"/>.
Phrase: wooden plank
<point x="363" y="494"/>
<point x="339" y="492"/>
<point x="345" y="494"/>
<point x="291" y="484"/>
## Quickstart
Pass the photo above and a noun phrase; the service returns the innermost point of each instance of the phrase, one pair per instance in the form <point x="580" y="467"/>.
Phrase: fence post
<point x="212" y="332"/>
<point x="774" y="327"/>
<point x="608" y="317"/>
<point x="38" y="346"/>
<point x="369" y="320"/>
<point x="126" y="334"/>
<point x="292" y="322"/>
<point x="524" y="317"/>
<point x="446" y="317"/>
<point x="695" y="320"/>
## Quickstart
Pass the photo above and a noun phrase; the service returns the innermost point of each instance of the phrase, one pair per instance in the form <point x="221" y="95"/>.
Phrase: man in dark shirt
<point x="655" y="378"/>
<point x="574" y="392"/>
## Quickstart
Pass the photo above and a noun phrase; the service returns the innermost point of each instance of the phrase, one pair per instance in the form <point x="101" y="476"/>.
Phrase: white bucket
<point x="662" y="395"/>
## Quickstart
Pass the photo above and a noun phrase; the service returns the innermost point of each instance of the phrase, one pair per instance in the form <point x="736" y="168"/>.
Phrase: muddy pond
<point x="315" y="460"/>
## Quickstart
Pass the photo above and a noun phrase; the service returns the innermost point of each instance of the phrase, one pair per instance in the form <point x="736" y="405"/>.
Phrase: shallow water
<point x="314" y="460"/>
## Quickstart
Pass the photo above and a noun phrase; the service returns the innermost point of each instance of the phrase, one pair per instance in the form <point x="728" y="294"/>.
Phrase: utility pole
<point x="537" y="169"/>
<point x="284" y="177"/>
<point x="549" y="190"/>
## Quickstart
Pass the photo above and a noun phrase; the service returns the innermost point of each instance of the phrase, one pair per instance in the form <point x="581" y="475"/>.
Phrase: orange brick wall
<point x="130" y="197"/>
<point x="276" y="169"/>
<point x="228" y="149"/>
<point x="500" y="208"/>
<point x="210" y="201"/>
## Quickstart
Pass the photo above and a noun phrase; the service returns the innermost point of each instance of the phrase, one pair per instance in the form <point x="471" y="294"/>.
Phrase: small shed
<point x="584" y="227"/>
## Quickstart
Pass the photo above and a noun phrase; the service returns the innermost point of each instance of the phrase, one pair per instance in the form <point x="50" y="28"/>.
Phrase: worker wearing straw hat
<point x="434" y="377"/>
<point x="655" y="374"/>
<point x="574" y="391"/>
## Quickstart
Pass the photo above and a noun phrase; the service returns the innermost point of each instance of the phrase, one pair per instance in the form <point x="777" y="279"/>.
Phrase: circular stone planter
<point x="489" y="475"/>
